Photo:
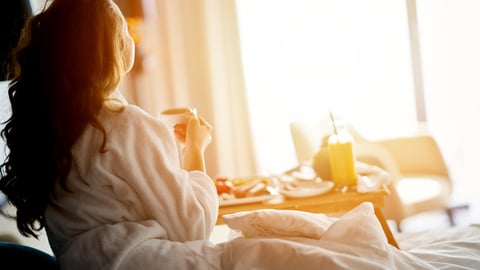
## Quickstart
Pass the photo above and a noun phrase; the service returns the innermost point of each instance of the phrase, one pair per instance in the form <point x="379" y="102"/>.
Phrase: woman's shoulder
<point x="130" y="115"/>
<point x="132" y="123"/>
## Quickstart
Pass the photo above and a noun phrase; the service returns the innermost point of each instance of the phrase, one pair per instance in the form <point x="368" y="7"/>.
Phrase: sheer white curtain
<point x="191" y="57"/>
<point x="450" y="42"/>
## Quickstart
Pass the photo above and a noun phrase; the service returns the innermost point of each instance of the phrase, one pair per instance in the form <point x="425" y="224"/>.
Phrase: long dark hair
<point x="69" y="59"/>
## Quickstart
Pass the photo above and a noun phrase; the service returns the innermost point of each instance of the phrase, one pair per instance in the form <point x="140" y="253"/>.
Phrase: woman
<point x="101" y="176"/>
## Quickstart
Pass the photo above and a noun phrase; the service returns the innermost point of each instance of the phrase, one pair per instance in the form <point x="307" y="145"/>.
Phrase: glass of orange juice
<point x="342" y="159"/>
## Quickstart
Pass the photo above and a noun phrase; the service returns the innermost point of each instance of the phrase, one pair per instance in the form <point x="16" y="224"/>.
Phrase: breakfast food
<point x="241" y="188"/>
<point x="241" y="191"/>
<point x="258" y="189"/>
<point x="223" y="185"/>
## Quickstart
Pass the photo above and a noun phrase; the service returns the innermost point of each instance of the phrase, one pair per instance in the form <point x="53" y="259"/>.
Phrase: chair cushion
<point x="19" y="256"/>
<point x="423" y="192"/>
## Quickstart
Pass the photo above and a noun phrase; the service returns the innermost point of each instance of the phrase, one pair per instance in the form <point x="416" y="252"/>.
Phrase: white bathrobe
<point x="133" y="199"/>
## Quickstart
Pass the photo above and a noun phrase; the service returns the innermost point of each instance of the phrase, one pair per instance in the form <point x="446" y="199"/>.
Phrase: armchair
<point x="420" y="177"/>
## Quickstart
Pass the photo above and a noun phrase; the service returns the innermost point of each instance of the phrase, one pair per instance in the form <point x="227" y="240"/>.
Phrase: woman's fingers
<point x="198" y="133"/>
<point x="200" y="128"/>
<point x="180" y="131"/>
<point x="205" y="123"/>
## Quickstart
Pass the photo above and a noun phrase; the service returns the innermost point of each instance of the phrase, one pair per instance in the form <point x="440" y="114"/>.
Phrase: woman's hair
<point x="69" y="59"/>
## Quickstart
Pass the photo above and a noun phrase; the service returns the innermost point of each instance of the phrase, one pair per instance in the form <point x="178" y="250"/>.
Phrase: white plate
<point x="246" y="200"/>
<point x="305" y="189"/>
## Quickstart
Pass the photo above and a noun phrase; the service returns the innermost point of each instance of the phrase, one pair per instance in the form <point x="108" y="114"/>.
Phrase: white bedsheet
<point x="354" y="241"/>
<point x="452" y="248"/>
<point x="294" y="240"/>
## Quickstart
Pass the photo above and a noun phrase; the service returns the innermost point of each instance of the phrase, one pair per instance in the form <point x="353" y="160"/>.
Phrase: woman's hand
<point x="180" y="130"/>
<point x="196" y="135"/>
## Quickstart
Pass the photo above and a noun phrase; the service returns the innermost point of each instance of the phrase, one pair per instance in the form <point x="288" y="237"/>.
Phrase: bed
<point x="288" y="239"/>
<point x="269" y="239"/>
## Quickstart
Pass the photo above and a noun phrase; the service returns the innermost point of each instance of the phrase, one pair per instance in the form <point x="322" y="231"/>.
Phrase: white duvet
<point x="290" y="240"/>
<point x="133" y="208"/>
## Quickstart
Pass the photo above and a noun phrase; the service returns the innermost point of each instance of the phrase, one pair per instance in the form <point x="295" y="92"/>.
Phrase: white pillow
<point x="279" y="223"/>
<point x="359" y="226"/>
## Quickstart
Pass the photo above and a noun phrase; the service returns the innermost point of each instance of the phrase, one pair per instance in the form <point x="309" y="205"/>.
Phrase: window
<point x="303" y="58"/>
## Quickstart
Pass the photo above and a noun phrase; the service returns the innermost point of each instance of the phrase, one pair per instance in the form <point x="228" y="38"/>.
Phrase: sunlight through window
<point x="304" y="57"/>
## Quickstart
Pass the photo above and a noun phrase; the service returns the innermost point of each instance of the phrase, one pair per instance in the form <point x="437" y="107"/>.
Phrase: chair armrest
<point x="376" y="155"/>
<point x="416" y="155"/>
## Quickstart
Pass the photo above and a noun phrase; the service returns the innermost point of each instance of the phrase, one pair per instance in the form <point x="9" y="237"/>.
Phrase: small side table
<point x="332" y="202"/>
